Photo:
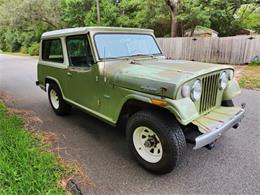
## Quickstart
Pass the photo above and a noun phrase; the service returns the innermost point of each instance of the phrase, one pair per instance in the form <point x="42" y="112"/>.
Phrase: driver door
<point x="81" y="73"/>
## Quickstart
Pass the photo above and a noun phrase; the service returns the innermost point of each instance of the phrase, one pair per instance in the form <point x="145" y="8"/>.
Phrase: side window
<point x="52" y="50"/>
<point x="79" y="51"/>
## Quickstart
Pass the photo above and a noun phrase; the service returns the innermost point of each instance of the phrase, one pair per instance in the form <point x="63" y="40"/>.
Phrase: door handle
<point x="69" y="74"/>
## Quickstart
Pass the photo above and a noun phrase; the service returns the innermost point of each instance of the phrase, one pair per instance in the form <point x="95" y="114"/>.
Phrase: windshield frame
<point x="126" y="57"/>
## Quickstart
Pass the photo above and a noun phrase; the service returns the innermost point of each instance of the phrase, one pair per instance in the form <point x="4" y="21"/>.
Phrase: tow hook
<point x="210" y="146"/>
<point x="243" y="105"/>
<point x="236" y="126"/>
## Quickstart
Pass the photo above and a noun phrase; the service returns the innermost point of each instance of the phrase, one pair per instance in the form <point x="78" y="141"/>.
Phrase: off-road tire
<point x="64" y="108"/>
<point x="170" y="134"/>
<point x="227" y="103"/>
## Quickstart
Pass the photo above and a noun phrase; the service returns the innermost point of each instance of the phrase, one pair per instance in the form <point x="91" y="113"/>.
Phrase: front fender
<point x="184" y="109"/>
<point x="232" y="90"/>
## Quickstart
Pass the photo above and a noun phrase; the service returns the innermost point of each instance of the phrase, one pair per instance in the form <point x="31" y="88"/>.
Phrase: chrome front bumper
<point x="211" y="136"/>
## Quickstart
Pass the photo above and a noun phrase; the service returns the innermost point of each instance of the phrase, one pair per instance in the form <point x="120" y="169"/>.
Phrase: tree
<point x="131" y="13"/>
<point x="191" y="14"/>
<point x="173" y="5"/>
<point x="155" y="15"/>
<point x="30" y="12"/>
<point x="249" y="16"/>
<point x="74" y="12"/>
<point x="109" y="14"/>
<point x="223" y="17"/>
<point x="98" y="11"/>
<point x="23" y="21"/>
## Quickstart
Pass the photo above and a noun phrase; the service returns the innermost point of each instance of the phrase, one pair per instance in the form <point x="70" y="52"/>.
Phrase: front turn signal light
<point x="159" y="103"/>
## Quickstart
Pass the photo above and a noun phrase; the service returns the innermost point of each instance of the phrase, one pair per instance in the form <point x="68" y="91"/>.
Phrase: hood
<point x="152" y="75"/>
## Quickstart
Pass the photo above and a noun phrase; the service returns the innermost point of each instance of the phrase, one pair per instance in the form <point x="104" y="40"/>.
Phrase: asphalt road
<point x="233" y="166"/>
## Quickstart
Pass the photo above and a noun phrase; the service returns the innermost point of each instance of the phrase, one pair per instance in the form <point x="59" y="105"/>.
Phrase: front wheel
<point x="156" y="140"/>
<point x="227" y="103"/>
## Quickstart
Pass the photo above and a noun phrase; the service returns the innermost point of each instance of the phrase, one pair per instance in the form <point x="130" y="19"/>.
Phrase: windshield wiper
<point x="134" y="55"/>
<point x="139" y="54"/>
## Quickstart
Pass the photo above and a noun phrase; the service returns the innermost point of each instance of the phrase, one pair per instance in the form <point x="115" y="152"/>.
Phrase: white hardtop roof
<point x="83" y="30"/>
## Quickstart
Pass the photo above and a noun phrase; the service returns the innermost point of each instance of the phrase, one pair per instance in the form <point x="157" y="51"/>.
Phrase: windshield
<point x="125" y="45"/>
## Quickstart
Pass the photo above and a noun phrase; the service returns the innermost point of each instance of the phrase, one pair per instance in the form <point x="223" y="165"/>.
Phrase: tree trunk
<point x="173" y="4"/>
<point x="174" y="24"/>
<point x="98" y="11"/>
<point x="192" y="31"/>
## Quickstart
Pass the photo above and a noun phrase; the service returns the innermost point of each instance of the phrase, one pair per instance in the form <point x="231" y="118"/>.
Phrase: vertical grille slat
<point x="209" y="92"/>
<point x="202" y="98"/>
<point x="213" y="90"/>
<point x="205" y="92"/>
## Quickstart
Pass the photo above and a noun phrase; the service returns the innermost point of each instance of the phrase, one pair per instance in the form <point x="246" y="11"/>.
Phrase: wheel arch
<point x="131" y="105"/>
<point x="183" y="110"/>
<point x="49" y="80"/>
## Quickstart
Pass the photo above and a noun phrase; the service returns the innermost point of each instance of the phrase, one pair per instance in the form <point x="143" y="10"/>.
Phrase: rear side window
<point x="52" y="50"/>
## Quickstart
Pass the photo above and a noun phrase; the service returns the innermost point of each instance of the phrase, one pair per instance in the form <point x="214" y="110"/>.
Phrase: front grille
<point x="209" y="92"/>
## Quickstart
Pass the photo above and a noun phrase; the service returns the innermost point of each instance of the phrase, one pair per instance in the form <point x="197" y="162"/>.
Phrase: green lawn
<point x="26" y="165"/>
<point x="250" y="77"/>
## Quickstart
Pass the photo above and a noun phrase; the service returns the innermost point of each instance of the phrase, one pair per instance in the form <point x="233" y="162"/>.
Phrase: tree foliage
<point x="249" y="17"/>
<point x="192" y="13"/>
<point x="23" y="21"/>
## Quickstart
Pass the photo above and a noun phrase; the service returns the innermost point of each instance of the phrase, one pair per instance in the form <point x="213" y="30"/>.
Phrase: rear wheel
<point x="156" y="140"/>
<point x="57" y="102"/>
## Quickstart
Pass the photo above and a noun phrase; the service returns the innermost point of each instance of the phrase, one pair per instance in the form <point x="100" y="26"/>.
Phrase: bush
<point x="24" y="50"/>
<point x="11" y="41"/>
<point x="34" y="49"/>
<point x="2" y="40"/>
<point x="255" y="63"/>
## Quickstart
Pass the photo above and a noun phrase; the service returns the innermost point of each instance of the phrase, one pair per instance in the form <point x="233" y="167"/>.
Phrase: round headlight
<point x="196" y="90"/>
<point x="185" y="91"/>
<point x="223" y="80"/>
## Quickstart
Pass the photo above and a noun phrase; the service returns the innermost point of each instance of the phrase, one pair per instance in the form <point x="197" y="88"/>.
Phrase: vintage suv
<point x="121" y="76"/>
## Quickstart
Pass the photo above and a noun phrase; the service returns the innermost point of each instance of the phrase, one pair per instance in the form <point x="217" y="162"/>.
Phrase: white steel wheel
<point x="156" y="140"/>
<point x="54" y="99"/>
<point x="147" y="144"/>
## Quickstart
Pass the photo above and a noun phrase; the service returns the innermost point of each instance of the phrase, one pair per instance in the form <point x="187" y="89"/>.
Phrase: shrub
<point x="11" y="41"/>
<point x="24" y="50"/>
<point x="34" y="49"/>
<point x="255" y="63"/>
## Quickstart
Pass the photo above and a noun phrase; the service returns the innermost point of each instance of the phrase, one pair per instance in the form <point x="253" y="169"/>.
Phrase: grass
<point x="250" y="77"/>
<point x="26" y="165"/>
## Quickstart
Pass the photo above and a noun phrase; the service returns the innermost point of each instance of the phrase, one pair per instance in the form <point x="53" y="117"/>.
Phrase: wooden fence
<point x="226" y="50"/>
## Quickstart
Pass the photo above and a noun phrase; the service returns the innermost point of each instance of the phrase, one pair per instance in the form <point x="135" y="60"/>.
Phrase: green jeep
<point x="121" y="76"/>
